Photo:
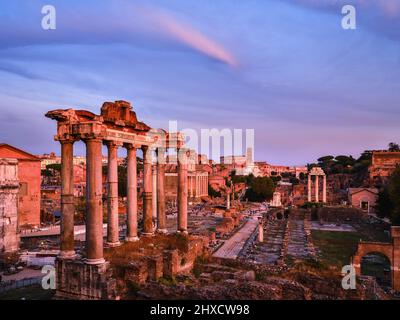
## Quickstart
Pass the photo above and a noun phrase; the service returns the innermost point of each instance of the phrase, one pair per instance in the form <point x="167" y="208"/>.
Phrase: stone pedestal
<point x="77" y="280"/>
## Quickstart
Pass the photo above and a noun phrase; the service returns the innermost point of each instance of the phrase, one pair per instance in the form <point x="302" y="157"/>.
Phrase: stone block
<point x="155" y="267"/>
<point x="136" y="272"/>
<point x="77" y="280"/>
<point x="171" y="262"/>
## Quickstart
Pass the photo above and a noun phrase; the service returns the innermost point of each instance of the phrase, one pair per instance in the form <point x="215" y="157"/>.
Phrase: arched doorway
<point x="377" y="265"/>
<point x="279" y="216"/>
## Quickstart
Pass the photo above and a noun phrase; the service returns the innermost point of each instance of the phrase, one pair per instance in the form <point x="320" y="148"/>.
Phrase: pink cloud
<point x="184" y="33"/>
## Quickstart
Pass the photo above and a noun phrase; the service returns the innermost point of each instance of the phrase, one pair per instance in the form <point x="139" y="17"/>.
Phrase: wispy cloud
<point x="184" y="33"/>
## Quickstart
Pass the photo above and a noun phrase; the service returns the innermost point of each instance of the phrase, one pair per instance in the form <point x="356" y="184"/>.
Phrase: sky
<point x="285" y="68"/>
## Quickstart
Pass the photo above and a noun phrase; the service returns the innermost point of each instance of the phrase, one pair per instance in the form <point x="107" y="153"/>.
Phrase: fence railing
<point x="6" y="286"/>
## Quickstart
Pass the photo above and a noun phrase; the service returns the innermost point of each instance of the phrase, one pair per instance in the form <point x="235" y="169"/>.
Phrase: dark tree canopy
<point x="326" y="159"/>
<point x="394" y="147"/>
<point x="261" y="189"/>
<point x="389" y="199"/>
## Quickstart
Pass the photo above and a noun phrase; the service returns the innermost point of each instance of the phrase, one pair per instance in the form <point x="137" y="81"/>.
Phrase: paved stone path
<point x="232" y="247"/>
<point x="297" y="240"/>
<point x="273" y="236"/>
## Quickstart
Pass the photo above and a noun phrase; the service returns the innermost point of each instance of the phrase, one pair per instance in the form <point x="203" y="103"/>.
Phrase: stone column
<point x="182" y="190"/>
<point x="94" y="205"/>
<point x="154" y="192"/>
<point x="131" y="204"/>
<point x="67" y="247"/>
<point x="228" y="200"/>
<point x="161" y="216"/>
<point x="260" y="231"/>
<point x="147" y="196"/>
<point x="197" y="186"/>
<point x="324" y="189"/>
<point x="112" y="195"/>
<point x="309" y="188"/>
<point x="190" y="179"/>
<point x="316" y="188"/>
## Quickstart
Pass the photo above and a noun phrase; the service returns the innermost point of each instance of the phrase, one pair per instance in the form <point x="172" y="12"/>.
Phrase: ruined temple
<point x="88" y="276"/>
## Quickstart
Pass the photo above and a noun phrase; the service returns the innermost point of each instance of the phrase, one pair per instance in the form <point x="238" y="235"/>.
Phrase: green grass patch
<point x="336" y="248"/>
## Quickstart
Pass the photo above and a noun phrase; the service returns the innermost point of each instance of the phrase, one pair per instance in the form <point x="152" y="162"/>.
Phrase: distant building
<point x="48" y="159"/>
<point x="29" y="180"/>
<point x="383" y="163"/>
<point x="234" y="160"/>
<point x="363" y="198"/>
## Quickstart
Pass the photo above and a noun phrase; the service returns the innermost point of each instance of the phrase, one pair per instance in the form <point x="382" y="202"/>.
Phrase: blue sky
<point x="284" y="68"/>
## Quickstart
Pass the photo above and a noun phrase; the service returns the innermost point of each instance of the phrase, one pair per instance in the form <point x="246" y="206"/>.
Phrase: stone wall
<point x="168" y="263"/>
<point x="339" y="214"/>
<point x="29" y="197"/>
<point x="9" y="187"/>
<point x="77" y="280"/>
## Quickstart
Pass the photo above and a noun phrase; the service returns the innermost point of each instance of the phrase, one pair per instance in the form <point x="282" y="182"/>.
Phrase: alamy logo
<point x="49" y="279"/>
<point x="49" y="20"/>
<point x="349" y="21"/>
<point x="349" y="277"/>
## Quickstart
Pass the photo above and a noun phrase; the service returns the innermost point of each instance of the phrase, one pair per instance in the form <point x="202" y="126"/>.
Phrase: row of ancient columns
<point x="94" y="210"/>
<point x="198" y="185"/>
<point x="202" y="185"/>
<point x="316" y="187"/>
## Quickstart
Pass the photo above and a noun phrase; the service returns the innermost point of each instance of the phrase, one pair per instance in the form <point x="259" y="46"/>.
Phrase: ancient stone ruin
<point x="88" y="277"/>
<point x="391" y="250"/>
<point x="9" y="188"/>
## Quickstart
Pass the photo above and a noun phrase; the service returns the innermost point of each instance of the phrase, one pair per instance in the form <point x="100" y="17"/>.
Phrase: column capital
<point x="111" y="143"/>
<point x="131" y="146"/>
<point x="92" y="139"/>
<point x="147" y="157"/>
<point x="69" y="140"/>
<point x="144" y="148"/>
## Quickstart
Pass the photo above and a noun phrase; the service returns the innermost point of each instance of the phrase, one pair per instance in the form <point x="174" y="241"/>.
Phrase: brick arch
<point x="365" y="248"/>
<point x="391" y="250"/>
<point x="385" y="249"/>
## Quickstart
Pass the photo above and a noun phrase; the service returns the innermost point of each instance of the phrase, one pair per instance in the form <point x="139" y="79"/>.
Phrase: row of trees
<point x="348" y="164"/>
